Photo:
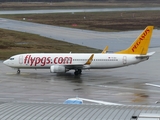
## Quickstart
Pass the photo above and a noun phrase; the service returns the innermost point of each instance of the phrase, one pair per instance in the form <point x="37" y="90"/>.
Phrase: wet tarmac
<point x="125" y="85"/>
<point x="115" y="40"/>
<point x="76" y="10"/>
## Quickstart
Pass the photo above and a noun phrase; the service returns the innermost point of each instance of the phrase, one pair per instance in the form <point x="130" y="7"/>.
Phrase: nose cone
<point x="5" y="62"/>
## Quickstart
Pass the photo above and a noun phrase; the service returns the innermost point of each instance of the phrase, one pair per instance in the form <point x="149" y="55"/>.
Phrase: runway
<point x="125" y="85"/>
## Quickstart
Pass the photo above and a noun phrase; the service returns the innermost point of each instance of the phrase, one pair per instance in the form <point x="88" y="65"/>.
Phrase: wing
<point x="81" y="66"/>
<point x="105" y="50"/>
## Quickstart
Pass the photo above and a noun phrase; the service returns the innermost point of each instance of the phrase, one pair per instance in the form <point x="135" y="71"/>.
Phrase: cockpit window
<point x="11" y="58"/>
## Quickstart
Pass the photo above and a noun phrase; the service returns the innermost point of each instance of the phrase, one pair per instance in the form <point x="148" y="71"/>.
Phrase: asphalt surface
<point x="125" y="85"/>
<point x="76" y="10"/>
<point x="115" y="40"/>
<point x="122" y="85"/>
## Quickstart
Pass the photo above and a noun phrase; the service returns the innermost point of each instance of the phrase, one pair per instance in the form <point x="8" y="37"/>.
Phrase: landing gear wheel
<point x="76" y="73"/>
<point x="18" y="71"/>
<point x="79" y="71"/>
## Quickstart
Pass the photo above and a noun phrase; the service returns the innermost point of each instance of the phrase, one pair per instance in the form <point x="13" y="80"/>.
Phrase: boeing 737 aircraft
<point x="63" y="62"/>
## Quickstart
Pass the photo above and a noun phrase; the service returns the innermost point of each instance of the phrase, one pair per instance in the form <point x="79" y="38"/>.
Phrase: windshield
<point x="11" y="58"/>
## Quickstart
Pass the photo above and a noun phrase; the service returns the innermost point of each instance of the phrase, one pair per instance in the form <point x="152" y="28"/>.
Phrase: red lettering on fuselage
<point x="141" y="38"/>
<point x="34" y="61"/>
<point x="42" y="61"/>
<point x="62" y="60"/>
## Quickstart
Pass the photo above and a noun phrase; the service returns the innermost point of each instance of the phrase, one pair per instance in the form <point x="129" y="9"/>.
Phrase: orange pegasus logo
<point x="141" y="38"/>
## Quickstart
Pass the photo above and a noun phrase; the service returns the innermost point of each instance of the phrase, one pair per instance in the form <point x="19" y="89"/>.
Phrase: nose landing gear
<point x="18" y="71"/>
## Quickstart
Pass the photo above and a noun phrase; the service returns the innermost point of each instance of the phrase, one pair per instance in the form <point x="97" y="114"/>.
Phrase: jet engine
<point x="57" y="69"/>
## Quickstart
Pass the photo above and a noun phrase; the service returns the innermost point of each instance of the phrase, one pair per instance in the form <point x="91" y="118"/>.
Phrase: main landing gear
<point x="18" y="71"/>
<point x="77" y="72"/>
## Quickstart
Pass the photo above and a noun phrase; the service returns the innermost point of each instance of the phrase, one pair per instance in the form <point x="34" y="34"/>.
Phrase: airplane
<point x="62" y="62"/>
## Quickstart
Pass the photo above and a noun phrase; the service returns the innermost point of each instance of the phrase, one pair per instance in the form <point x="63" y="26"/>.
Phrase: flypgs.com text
<point x="42" y="61"/>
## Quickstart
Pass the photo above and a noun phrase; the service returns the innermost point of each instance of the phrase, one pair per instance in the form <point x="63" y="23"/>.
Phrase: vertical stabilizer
<point x="141" y="44"/>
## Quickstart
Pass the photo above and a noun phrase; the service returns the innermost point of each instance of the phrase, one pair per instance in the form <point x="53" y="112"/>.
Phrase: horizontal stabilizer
<point x="145" y="56"/>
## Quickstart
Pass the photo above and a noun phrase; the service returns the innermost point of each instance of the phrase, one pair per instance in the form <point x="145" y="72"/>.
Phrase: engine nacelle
<point x="57" y="69"/>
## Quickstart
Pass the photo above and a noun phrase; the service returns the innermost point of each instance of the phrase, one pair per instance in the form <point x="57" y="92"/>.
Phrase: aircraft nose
<point x="5" y="62"/>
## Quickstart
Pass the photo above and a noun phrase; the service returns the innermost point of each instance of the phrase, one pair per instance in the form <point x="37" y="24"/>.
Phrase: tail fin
<point x="141" y="44"/>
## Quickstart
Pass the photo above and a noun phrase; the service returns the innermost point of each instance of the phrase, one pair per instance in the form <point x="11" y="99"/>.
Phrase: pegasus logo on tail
<point x="142" y="37"/>
<point x="141" y="44"/>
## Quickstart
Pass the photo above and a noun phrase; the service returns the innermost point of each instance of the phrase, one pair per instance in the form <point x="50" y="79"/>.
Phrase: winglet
<point x="105" y="50"/>
<point x="89" y="60"/>
<point x="141" y="44"/>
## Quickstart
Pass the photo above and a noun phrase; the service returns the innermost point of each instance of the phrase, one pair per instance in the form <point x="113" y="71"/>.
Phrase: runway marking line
<point x="154" y="85"/>
<point x="125" y="88"/>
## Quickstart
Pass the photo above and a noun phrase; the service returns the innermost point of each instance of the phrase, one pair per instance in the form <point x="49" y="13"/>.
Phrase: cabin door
<point x="20" y="59"/>
<point x="124" y="60"/>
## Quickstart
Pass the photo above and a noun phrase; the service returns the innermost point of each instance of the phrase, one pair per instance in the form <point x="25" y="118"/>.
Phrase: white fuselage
<point x="46" y="60"/>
